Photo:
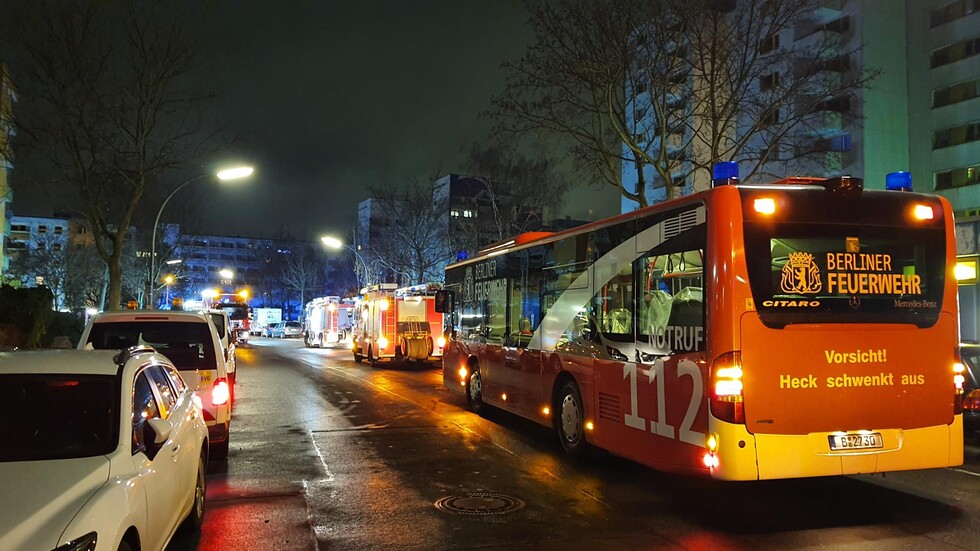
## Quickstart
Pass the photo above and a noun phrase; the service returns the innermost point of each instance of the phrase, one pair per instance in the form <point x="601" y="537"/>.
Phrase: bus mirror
<point x="445" y="300"/>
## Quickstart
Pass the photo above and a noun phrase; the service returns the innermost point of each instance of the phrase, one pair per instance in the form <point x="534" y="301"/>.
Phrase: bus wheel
<point x="474" y="393"/>
<point x="570" y="422"/>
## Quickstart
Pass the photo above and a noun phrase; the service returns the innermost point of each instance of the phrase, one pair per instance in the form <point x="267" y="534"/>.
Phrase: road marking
<point x="319" y="455"/>
<point x="971" y="473"/>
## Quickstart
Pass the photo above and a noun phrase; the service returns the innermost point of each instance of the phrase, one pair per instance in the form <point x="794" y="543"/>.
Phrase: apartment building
<point x="944" y="122"/>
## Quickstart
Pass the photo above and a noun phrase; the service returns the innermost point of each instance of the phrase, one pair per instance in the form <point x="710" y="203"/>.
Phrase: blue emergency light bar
<point x="724" y="173"/>
<point x="898" y="181"/>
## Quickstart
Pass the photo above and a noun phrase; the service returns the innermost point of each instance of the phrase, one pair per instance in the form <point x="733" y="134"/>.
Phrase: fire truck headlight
<point x="441" y="342"/>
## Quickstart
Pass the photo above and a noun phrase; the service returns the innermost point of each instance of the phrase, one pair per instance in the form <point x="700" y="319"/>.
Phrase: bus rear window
<point x="831" y="273"/>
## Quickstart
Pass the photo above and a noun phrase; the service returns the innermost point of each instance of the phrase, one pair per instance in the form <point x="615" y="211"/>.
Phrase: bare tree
<point x="519" y="187"/>
<point x="676" y="85"/>
<point x="70" y="271"/>
<point x="104" y="101"/>
<point x="302" y="271"/>
<point x="415" y="246"/>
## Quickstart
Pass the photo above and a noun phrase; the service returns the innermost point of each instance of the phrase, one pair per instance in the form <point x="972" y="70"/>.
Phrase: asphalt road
<point x="329" y="454"/>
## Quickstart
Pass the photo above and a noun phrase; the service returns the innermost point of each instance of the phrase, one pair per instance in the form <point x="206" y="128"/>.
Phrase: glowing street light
<point x="169" y="280"/>
<point x="234" y="173"/>
<point x="334" y="243"/>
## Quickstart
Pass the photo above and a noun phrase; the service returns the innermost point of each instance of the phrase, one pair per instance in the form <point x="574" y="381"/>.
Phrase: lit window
<point x="958" y="177"/>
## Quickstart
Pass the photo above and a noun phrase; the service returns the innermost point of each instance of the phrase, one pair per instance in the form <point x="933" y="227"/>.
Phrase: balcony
<point x="828" y="10"/>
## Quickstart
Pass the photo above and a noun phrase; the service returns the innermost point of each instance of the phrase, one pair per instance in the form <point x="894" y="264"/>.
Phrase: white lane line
<point x="326" y="469"/>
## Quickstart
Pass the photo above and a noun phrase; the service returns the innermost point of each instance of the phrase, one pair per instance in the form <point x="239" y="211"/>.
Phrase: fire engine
<point x="239" y="314"/>
<point x="328" y="321"/>
<point x="398" y="324"/>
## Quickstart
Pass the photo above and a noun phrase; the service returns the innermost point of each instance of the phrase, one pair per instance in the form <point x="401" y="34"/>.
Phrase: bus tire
<point x="474" y="393"/>
<point x="570" y="420"/>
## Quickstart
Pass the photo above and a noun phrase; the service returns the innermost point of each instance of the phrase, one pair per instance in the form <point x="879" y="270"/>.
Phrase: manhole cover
<point x="479" y="503"/>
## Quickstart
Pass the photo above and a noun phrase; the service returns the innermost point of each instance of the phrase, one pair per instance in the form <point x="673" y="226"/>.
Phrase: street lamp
<point x="235" y="173"/>
<point x="169" y="281"/>
<point x="335" y="243"/>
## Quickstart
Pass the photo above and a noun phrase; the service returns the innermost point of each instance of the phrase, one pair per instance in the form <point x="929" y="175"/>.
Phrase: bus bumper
<point x="746" y="456"/>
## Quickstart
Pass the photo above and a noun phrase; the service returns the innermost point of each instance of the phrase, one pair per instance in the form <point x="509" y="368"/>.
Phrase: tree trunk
<point x="114" y="294"/>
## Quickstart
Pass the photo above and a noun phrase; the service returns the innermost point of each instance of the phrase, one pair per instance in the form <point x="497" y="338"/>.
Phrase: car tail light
<point x="959" y="380"/>
<point x="221" y="392"/>
<point x="726" y="388"/>
<point x="971" y="402"/>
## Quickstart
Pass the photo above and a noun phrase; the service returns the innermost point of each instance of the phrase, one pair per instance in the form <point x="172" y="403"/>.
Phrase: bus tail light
<point x="220" y="393"/>
<point x="726" y="388"/>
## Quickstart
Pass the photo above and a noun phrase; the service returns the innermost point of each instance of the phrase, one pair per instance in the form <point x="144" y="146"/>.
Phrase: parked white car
<point x="222" y="323"/>
<point x="191" y="342"/>
<point x="101" y="450"/>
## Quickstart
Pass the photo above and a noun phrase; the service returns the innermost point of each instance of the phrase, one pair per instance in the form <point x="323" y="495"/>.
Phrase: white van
<point x="190" y="341"/>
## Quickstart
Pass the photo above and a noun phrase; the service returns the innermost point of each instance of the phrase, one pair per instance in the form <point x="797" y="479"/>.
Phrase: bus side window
<point x="614" y="305"/>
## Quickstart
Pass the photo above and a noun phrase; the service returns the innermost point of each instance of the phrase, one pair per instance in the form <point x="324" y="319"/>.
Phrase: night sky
<point x="327" y="98"/>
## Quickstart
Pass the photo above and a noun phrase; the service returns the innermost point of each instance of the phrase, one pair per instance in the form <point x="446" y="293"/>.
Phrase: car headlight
<point x="84" y="543"/>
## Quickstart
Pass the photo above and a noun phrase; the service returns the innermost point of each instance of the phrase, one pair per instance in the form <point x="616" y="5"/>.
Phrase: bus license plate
<point x="855" y="441"/>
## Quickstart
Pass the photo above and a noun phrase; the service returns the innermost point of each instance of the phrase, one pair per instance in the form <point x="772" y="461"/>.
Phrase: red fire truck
<point x="239" y="314"/>
<point x="398" y="324"/>
<point x="328" y="321"/>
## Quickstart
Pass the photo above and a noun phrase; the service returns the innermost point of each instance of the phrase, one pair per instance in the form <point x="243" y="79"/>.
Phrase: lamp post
<point x="335" y="243"/>
<point x="224" y="175"/>
<point x="169" y="281"/>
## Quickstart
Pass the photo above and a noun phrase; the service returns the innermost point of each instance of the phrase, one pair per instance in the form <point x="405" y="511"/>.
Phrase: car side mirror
<point x="160" y="430"/>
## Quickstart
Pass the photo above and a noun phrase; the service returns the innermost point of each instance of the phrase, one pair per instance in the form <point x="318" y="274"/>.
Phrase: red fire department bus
<point x="398" y="324"/>
<point x="802" y="328"/>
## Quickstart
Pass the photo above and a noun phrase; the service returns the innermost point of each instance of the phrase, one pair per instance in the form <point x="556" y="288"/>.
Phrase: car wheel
<point x="195" y="517"/>
<point x="570" y="421"/>
<point x="474" y="393"/>
<point x="124" y="546"/>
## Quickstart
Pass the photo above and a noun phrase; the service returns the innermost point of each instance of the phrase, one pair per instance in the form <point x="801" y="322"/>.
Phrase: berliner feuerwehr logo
<point x="801" y="275"/>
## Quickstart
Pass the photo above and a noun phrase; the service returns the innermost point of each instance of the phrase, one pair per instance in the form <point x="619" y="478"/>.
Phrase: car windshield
<point x="293" y="324"/>
<point x="188" y="344"/>
<point x="234" y="311"/>
<point x="57" y="416"/>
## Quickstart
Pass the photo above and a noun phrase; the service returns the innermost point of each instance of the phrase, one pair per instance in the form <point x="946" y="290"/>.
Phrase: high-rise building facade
<point x="944" y="122"/>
